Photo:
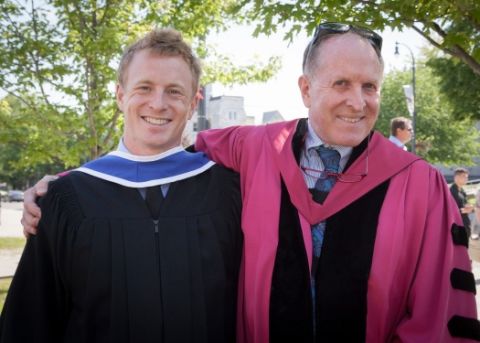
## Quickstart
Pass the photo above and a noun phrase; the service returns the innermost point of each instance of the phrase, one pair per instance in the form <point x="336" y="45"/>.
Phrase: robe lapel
<point x="381" y="168"/>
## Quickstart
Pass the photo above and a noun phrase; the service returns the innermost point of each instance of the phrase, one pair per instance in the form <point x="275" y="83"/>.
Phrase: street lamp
<point x="414" y="111"/>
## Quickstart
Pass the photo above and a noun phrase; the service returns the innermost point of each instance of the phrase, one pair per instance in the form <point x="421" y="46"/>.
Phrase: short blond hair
<point x="164" y="42"/>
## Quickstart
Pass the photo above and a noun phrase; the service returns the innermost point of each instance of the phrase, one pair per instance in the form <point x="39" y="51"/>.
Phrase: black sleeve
<point x="190" y="148"/>
<point x="37" y="306"/>
<point x="456" y="197"/>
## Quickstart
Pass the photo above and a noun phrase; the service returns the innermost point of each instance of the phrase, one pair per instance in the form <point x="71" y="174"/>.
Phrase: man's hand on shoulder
<point x="31" y="212"/>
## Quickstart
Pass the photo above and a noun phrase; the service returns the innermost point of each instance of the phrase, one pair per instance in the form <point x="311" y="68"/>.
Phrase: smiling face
<point x="157" y="99"/>
<point x="342" y="92"/>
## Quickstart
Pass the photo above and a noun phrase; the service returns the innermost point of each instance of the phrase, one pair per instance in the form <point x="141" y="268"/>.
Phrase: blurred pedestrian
<point x="460" y="179"/>
<point x="476" y="218"/>
<point x="401" y="131"/>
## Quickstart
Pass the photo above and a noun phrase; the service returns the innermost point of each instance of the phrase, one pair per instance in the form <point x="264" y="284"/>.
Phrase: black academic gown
<point x="100" y="270"/>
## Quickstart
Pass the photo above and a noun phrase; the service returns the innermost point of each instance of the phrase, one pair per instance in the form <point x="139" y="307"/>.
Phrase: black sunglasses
<point x="331" y="27"/>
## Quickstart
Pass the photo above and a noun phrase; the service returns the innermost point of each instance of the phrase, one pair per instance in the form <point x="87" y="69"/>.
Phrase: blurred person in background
<point x="401" y="131"/>
<point x="476" y="219"/>
<point x="460" y="179"/>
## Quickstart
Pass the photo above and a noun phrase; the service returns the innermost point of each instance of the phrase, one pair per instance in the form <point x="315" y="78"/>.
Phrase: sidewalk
<point x="476" y="272"/>
<point x="474" y="252"/>
<point x="10" y="215"/>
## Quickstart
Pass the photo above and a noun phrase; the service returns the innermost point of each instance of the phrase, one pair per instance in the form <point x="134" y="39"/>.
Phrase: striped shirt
<point x="309" y="157"/>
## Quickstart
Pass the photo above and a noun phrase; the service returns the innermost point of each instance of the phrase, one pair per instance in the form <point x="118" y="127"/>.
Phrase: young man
<point x="109" y="266"/>
<point x="460" y="178"/>
<point x="401" y="131"/>
<point x="381" y="256"/>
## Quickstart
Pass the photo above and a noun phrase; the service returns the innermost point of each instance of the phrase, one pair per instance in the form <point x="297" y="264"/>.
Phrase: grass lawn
<point x="12" y="243"/>
<point x="4" y="284"/>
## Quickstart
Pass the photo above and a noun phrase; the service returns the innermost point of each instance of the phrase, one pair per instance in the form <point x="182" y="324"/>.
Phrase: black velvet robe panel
<point x="342" y="275"/>
<point x="102" y="270"/>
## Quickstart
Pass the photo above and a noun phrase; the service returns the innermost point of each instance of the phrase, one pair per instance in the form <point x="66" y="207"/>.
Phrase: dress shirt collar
<point x="123" y="148"/>
<point x="397" y="142"/>
<point x="312" y="141"/>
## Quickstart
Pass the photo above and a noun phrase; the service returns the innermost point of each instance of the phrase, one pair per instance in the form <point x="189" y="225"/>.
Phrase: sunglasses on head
<point x="330" y="27"/>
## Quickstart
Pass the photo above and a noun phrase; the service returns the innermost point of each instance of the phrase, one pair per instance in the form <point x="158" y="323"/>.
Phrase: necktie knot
<point x="330" y="158"/>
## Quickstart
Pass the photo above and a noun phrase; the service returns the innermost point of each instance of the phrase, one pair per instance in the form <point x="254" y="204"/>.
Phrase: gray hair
<point x="312" y="50"/>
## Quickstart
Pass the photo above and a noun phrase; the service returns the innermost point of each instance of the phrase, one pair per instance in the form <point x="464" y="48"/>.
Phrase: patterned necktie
<point x="331" y="160"/>
<point x="154" y="198"/>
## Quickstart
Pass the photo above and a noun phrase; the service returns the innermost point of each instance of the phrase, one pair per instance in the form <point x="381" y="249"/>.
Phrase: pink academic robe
<point x="410" y="297"/>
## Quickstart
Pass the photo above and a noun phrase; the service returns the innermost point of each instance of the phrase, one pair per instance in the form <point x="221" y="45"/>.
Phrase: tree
<point x="20" y="162"/>
<point x="59" y="59"/>
<point x="459" y="84"/>
<point x="441" y="138"/>
<point x="451" y="26"/>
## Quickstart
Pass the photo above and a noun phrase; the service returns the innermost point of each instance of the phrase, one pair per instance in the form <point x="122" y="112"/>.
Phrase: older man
<point x="347" y="239"/>
<point x="383" y="257"/>
<point x="109" y="266"/>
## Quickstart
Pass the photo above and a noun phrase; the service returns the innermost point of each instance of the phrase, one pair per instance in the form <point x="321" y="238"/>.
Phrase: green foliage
<point x="441" y="138"/>
<point x="59" y="61"/>
<point x="460" y="85"/>
<point x="25" y="150"/>
<point x="224" y="71"/>
<point x="452" y="26"/>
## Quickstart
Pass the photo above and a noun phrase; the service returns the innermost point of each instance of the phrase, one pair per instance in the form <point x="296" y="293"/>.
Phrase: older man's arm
<point x="31" y="212"/>
<point x="224" y="146"/>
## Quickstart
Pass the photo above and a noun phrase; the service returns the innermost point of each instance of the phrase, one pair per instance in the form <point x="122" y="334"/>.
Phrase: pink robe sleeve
<point x="224" y="146"/>
<point x="441" y="300"/>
